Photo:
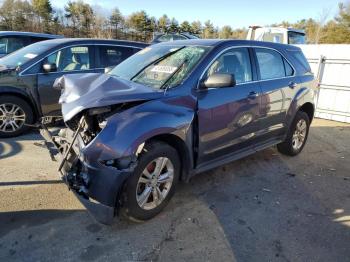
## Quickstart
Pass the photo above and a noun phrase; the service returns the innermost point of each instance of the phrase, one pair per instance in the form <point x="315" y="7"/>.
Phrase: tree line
<point x="79" y="19"/>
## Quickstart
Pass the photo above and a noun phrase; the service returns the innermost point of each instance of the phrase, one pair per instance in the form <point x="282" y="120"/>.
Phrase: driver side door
<point x="228" y="117"/>
<point x="69" y="60"/>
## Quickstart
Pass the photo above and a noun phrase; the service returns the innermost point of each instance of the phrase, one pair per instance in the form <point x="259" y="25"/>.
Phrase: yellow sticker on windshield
<point x="164" y="69"/>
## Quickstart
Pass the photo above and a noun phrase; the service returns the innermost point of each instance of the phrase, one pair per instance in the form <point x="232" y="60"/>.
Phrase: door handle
<point x="292" y="85"/>
<point x="252" y="95"/>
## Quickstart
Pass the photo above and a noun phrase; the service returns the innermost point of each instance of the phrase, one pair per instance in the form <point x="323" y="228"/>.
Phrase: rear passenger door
<point x="277" y="81"/>
<point x="110" y="56"/>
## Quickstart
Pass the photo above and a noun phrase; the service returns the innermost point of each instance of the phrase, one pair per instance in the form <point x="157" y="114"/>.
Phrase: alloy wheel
<point x="155" y="183"/>
<point x="12" y="117"/>
<point x="299" y="134"/>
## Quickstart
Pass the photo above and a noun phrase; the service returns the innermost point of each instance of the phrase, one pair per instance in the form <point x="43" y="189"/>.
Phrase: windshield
<point x="160" y="66"/>
<point x="295" y="38"/>
<point x="25" y="54"/>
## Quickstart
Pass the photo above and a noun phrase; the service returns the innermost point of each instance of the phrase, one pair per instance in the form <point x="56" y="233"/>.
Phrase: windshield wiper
<point x="155" y="62"/>
<point x="173" y="74"/>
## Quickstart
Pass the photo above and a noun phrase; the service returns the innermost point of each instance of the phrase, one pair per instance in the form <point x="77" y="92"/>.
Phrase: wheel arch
<point x="182" y="149"/>
<point x="309" y="109"/>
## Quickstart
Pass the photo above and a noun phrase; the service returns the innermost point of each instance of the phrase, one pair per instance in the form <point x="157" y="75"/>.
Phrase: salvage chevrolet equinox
<point x="174" y="110"/>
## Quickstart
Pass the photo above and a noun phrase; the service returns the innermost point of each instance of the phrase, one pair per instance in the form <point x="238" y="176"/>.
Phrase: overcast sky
<point x="223" y="12"/>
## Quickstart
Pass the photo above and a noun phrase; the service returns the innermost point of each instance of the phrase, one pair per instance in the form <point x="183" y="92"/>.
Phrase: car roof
<point x="219" y="42"/>
<point x="63" y="41"/>
<point x="18" y="33"/>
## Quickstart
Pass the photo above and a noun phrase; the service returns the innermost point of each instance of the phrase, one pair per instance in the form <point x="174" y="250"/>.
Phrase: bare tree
<point x="322" y="19"/>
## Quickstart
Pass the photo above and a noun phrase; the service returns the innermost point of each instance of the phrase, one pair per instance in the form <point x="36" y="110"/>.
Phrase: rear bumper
<point x="96" y="185"/>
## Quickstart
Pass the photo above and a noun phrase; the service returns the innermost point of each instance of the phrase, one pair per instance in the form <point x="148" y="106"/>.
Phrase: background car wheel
<point x="151" y="186"/>
<point x="297" y="135"/>
<point x="14" y="114"/>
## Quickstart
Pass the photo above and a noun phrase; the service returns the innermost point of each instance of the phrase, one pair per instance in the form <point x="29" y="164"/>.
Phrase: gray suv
<point x="11" y="41"/>
<point x="27" y="76"/>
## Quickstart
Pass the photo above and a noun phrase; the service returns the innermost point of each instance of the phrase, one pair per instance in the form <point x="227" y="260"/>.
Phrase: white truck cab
<point x="277" y="35"/>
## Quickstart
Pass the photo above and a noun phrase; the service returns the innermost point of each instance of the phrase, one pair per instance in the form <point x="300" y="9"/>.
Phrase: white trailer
<point x="280" y="35"/>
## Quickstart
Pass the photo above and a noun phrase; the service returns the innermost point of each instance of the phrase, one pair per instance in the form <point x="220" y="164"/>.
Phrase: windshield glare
<point x="160" y="66"/>
<point x="25" y="54"/>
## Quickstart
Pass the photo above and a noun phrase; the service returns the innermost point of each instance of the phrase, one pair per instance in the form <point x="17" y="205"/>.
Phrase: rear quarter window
<point x="299" y="56"/>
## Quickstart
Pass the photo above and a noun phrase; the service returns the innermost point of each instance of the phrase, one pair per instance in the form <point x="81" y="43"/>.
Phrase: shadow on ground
<point x="12" y="146"/>
<point x="266" y="207"/>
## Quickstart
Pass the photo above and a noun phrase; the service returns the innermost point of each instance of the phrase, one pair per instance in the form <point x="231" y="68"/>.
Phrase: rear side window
<point x="165" y="38"/>
<point x="179" y="37"/>
<point x="272" y="64"/>
<point x="113" y="55"/>
<point x="288" y="68"/>
<point x="34" y="39"/>
<point x="11" y="44"/>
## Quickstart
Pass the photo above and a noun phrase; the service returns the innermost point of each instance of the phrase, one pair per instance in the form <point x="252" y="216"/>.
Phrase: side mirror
<point x="218" y="81"/>
<point x="108" y="69"/>
<point x="49" y="68"/>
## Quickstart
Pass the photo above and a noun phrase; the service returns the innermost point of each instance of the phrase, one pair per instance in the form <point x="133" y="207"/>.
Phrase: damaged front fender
<point x="126" y="131"/>
<point x="102" y="166"/>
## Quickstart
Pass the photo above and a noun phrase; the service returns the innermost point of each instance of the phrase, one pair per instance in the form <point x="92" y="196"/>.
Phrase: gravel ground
<point x="265" y="207"/>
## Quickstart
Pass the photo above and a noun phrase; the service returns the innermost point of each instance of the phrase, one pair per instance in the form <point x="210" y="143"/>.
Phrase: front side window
<point x="70" y="59"/>
<point x="236" y="62"/>
<point x="113" y="55"/>
<point x="163" y="66"/>
<point x="272" y="64"/>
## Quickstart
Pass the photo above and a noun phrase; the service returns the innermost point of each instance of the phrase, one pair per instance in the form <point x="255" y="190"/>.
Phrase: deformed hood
<point x="83" y="91"/>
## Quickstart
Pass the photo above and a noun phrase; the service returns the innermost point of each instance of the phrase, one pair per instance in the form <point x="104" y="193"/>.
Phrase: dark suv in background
<point x="174" y="110"/>
<point x="11" y="41"/>
<point x="27" y="76"/>
<point x="168" y="37"/>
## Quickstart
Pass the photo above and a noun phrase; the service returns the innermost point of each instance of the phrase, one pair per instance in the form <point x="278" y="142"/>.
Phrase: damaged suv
<point x="174" y="110"/>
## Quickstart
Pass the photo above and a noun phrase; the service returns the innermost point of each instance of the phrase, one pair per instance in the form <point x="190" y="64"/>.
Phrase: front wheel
<point x="297" y="135"/>
<point x="15" y="113"/>
<point x="151" y="186"/>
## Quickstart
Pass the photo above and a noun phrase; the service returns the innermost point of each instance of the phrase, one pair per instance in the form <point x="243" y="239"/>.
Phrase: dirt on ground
<point x="265" y="207"/>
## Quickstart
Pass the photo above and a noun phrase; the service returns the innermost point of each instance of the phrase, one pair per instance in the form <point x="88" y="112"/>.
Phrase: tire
<point x="148" y="160"/>
<point x="23" y="115"/>
<point x="292" y="146"/>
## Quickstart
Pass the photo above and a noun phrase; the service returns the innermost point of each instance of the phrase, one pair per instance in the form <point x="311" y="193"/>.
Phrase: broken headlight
<point x="102" y="124"/>
<point x="99" y="110"/>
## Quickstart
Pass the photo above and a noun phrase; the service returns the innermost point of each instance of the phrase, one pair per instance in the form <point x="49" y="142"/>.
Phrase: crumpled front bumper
<point x="95" y="184"/>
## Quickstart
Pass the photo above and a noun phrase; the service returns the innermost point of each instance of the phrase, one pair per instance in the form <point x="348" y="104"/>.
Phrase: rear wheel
<point x="14" y="114"/>
<point x="151" y="186"/>
<point x="297" y="135"/>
